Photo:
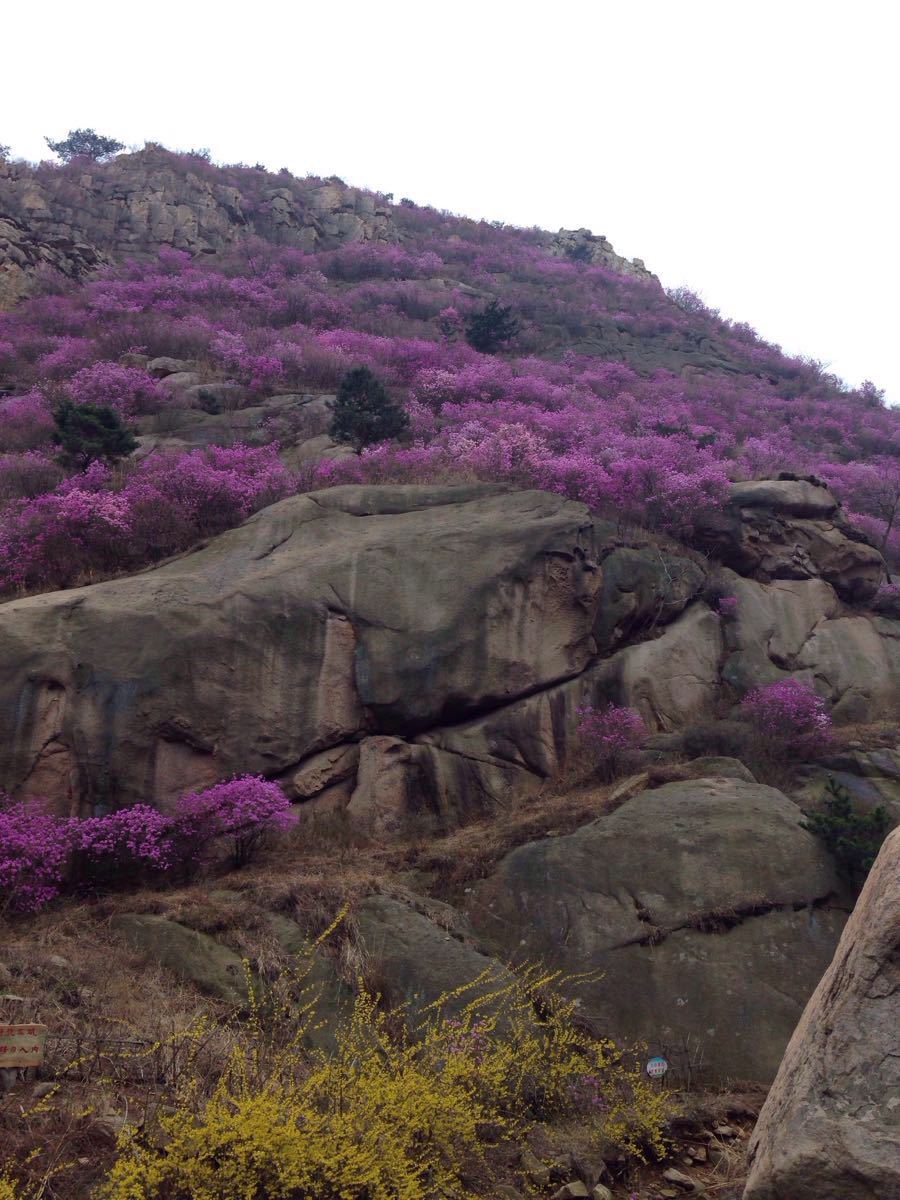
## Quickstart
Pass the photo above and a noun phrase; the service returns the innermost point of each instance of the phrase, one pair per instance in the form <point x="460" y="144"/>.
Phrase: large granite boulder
<point x="831" y="1124"/>
<point x="324" y="619"/>
<point x="791" y="529"/>
<point x="408" y="652"/>
<point x="707" y="910"/>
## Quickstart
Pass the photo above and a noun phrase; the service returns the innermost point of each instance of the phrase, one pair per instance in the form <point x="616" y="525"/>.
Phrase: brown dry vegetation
<point x="113" y="1050"/>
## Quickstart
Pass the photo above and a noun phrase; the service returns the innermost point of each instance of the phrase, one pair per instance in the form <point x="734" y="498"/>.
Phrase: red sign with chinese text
<point x="22" y="1045"/>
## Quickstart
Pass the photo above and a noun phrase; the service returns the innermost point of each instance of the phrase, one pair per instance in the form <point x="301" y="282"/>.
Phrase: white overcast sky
<point x="746" y="149"/>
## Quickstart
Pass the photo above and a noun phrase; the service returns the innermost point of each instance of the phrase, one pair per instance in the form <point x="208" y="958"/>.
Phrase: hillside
<point x="639" y="403"/>
<point x="568" y="714"/>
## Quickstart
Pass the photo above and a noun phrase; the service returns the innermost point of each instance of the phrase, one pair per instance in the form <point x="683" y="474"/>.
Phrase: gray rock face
<point x="326" y="617"/>
<point x="831" y="1124"/>
<point x="582" y="245"/>
<point x="139" y="202"/>
<point x="704" y="904"/>
<point x="422" y="961"/>
<point x="791" y="529"/>
<point x="434" y="644"/>
<point x="192" y="956"/>
<point x="872" y="779"/>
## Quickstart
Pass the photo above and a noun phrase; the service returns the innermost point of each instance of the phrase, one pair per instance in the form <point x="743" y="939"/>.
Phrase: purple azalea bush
<point x="613" y="734"/>
<point x="790" y="717"/>
<point x="43" y="855"/>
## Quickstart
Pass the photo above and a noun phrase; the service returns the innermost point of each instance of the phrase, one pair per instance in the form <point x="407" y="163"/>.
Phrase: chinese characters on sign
<point x="22" y="1045"/>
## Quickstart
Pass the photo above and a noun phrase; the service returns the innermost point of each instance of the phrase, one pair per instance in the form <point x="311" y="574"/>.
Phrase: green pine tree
<point x="853" y="838"/>
<point x="363" y="412"/>
<point x="86" y="432"/>
<point x="85" y="143"/>
<point x="491" y="328"/>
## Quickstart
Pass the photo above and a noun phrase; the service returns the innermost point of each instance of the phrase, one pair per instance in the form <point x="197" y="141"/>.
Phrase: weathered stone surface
<point x="643" y="587"/>
<point x="831" y="1124"/>
<point x="582" y="245"/>
<point x="703" y="903"/>
<point x="138" y="202"/>
<point x="800" y="628"/>
<point x="190" y="955"/>
<point x="422" y="961"/>
<point x="790" y="529"/>
<point x="352" y="610"/>
<point x="793" y="497"/>
<point x="163" y="366"/>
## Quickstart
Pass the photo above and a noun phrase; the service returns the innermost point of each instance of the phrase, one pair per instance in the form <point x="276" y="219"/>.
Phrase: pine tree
<point x="363" y="412"/>
<point x="491" y="328"/>
<point x="86" y="432"/>
<point x="853" y="838"/>
<point x="85" y="143"/>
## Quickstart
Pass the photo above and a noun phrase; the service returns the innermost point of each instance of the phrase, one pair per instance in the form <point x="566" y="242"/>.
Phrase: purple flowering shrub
<point x="127" y="390"/>
<point x="789" y="717"/>
<point x="127" y="846"/>
<point x="613" y="734"/>
<point x="100" y="521"/>
<point x="240" y="812"/>
<point x="34" y="851"/>
<point x="43" y="855"/>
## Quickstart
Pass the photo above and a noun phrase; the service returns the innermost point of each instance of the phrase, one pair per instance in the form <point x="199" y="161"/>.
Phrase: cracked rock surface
<point x="707" y="910"/>
<point x="831" y="1123"/>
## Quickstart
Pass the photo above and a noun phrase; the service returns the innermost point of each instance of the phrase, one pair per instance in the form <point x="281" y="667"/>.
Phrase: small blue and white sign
<point x="657" y="1066"/>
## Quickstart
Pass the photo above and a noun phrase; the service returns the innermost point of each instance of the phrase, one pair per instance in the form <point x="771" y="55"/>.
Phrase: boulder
<point x="163" y="366"/>
<point x="326" y="619"/>
<point x="790" y="529"/>
<point x="705" y="907"/>
<point x="423" y="962"/>
<point x="190" y="955"/>
<point x="830" y="1126"/>
<point x="800" y="628"/>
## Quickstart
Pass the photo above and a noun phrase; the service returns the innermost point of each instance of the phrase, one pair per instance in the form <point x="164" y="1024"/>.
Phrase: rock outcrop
<point x="791" y="529"/>
<point x="831" y="1124"/>
<point x="75" y="220"/>
<point x="581" y="245"/>
<point x="412" y="653"/>
<point x="707" y="911"/>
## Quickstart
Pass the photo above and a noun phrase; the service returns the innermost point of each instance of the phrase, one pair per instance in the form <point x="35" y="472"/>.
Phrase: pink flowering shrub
<point x="127" y="390"/>
<point x="25" y="422"/>
<point x="790" y="718"/>
<point x="241" y="811"/>
<point x="34" y="851"/>
<point x="101" y="522"/>
<point x="126" y="846"/>
<point x="728" y="607"/>
<point x="27" y="473"/>
<point x="43" y="855"/>
<point x="613" y="734"/>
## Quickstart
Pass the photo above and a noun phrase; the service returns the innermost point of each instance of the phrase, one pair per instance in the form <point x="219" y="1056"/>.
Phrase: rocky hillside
<point x="562" y="675"/>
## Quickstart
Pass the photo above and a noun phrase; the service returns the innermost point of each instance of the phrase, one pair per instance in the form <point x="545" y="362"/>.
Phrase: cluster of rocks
<point x="25" y="253"/>
<point x="581" y="245"/>
<point x="139" y="202"/>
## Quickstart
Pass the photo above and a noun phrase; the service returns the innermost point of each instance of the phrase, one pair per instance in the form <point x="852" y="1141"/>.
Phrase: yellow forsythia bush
<point x="389" y="1114"/>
